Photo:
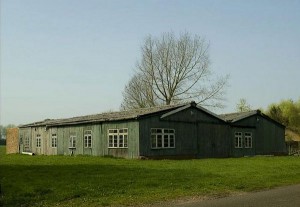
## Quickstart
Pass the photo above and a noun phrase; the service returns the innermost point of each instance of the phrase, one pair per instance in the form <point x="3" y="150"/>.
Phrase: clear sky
<point x="64" y="58"/>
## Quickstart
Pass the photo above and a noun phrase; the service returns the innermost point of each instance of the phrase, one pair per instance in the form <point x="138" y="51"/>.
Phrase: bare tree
<point x="243" y="106"/>
<point x="138" y="93"/>
<point x="174" y="70"/>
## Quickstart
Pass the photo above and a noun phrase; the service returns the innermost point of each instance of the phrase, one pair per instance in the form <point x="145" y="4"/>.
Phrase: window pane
<point x="121" y="141"/>
<point x="125" y="140"/>
<point x="90" y="142"/>
<point x="158" y="130"/>
<point x="115" y="141"/>
<point x="159" y="141"/>
<point x="166" y="141"/>
<point x="110" y="141"/>
<point x="153" y="141"/>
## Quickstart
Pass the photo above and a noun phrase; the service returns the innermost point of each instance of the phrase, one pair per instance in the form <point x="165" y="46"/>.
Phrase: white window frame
<point x="53" y="140"/>
<point x="248" y="139"/>
<point x="238" y="140"/>
<point x="162" y="138"/>
<point x="38" y="141"/>
<point x="88" y="139"/>
<point x="118" y="138"/>
<point x="72" y="141"/>
<point x="26" y="141"/>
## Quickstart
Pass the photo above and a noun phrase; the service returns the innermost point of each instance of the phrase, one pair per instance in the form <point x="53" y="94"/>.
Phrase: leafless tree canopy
<point x="174" y="70"/>
<point x="243" y="106"/>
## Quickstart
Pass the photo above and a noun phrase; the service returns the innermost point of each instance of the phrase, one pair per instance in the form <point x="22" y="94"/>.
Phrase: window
<point x="88" y="139"/>
<point x="54" y="141"/>
<point x="238" y="140"/>
<point x="162" y="138"/>
<point x="248" y="140"/>
<point x="118" y="138"/>
<point x="21" y="139"/>
<point x="72" y="142"/>
<point x="26" y="142"/>
<point x="38" y="140"/>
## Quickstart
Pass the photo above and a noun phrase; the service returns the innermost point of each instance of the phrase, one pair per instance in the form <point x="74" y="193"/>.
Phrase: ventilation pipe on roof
<point x="193" y="103"/>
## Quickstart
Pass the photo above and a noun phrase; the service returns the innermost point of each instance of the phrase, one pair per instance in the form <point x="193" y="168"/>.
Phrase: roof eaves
<point x="272" y="120"/>
<point x="211" y="113"/>
<point x="168" y="109"/>
<point x="246" y="115"/>
<point x="175" y="111"/>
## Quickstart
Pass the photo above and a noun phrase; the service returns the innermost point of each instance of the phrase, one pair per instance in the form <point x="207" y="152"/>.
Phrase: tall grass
<point x="95" y="181"/>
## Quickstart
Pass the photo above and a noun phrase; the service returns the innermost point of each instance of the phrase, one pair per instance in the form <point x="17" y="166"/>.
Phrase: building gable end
<point x="191" y="113"/>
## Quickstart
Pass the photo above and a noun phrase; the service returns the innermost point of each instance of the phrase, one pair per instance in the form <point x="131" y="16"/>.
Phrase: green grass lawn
<point x="96" y="181"/>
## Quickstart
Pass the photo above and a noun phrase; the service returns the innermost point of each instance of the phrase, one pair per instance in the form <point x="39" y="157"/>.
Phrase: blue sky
<point x="64" y="58"/>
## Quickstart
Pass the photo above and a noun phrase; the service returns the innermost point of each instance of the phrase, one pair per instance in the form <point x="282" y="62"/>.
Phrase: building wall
<point x="25" y="134"/>
<point x="12" y="140"/>
<point x="268" y="137"/>
<point x="213" y="140"/>
<point x="99" y="139"/>
<point x="273" y="137"/>
<point x="197" y="134"/>
<point x="185" y="138"/>
<point x="241" y="152"/>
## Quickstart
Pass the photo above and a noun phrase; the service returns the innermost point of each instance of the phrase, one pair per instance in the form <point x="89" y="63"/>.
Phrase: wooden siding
<point x="185" y="138"/>
<point x="193" y="115"/>
<point x="272" y="136"/>
<point x="99" y="140"/>
<point x="241" y="152"/>
<point x="44" y="134"/>
<point x="268" y="137"/>
<point x="213" y="140"/>
<point x="25" y="133"/>
<point x="197" y="134"/>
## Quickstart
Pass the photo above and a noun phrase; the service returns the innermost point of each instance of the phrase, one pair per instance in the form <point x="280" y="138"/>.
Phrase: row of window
<point x="160" y="138"/>
<point x="117" y="138"/>
<point x="243" y="140"/>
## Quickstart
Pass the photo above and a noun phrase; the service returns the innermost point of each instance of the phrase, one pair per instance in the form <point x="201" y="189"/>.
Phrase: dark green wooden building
<point x="178" y="131"/>
<point x="255" y="133"/>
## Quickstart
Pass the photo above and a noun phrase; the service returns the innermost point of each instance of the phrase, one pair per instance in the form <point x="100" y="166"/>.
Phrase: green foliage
<point x="3" y="129"/>
<point x="286" y="112"/>
<point x="96" y="181"/>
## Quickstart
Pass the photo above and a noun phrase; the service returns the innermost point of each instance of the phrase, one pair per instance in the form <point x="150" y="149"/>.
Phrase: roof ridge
<point x="106" y="116"/>
<point x="242" y="112"/>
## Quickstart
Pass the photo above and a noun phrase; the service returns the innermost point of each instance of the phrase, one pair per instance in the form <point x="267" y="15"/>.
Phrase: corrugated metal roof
<point x="232" y="117"/>
<point x="110" y="116"/>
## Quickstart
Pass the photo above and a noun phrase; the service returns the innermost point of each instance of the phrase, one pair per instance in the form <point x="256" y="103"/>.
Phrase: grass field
<point x="96" y="181"/>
